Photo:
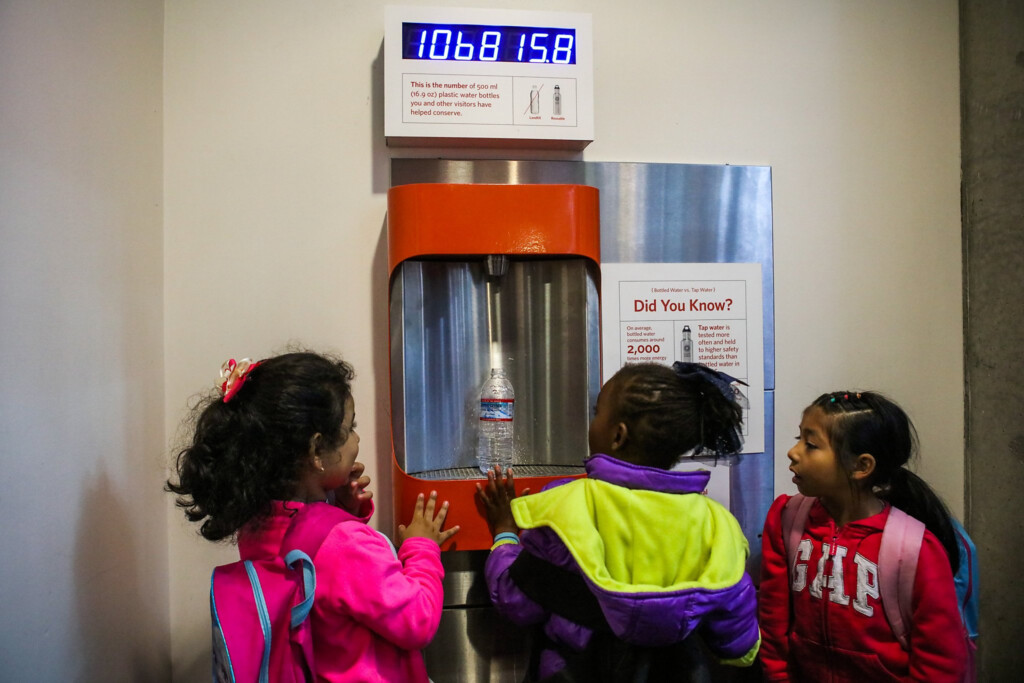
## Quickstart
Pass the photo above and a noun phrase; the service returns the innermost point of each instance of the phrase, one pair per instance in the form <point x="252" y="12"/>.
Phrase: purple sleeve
<point x="510" y="602"/>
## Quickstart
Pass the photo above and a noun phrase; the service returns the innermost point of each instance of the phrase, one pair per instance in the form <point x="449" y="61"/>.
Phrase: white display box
<point x="488" y="78"/>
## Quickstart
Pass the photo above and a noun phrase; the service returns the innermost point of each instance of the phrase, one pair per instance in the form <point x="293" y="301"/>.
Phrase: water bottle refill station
<point x="487" y="277"/>
<point x="490" y="278"/>
<point x="497" y="264"/>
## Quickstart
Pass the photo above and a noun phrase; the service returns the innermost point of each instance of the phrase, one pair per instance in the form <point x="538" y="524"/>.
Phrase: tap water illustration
<point x="686" y="346"/>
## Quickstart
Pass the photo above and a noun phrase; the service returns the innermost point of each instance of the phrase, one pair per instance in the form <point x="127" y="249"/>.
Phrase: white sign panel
<point x="708" y="313"/>
<point x="501" y="77"/>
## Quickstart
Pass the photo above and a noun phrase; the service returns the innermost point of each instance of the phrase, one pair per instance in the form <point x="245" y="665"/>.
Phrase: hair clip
<point x="233" y="375"/>
<point x="832" y="400"/>
<point x="718" y="379"/>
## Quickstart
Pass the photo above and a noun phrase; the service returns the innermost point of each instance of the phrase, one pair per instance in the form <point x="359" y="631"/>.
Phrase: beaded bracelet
<point x="505" y="538"/>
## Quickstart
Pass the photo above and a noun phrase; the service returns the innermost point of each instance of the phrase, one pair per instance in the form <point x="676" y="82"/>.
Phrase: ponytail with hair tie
<point x="911" y="494"/>
<point x="899" y="477"/>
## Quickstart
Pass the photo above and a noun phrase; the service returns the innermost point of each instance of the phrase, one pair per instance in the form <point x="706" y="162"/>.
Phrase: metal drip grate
<point x="461" y="473"/>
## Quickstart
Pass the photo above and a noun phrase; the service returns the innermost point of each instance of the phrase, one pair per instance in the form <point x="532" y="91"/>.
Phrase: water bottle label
<point x="497" y="409"/>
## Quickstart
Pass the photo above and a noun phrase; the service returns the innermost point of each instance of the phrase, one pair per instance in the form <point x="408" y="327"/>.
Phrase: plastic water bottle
<point x="497" y="411"/>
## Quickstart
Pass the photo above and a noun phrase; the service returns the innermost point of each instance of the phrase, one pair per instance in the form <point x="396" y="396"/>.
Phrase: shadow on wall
<point x="380" y="329"/>
<point x="381" y="166"/>
<point x="120" y="641"/>
<point x="198" y="669"/>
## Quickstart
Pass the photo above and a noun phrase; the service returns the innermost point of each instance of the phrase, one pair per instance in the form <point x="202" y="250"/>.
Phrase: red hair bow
<point x="233" y="374"/>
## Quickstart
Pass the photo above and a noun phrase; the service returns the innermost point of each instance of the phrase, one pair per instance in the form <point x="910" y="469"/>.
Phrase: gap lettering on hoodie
<point x="867" y="584"/>
<point x="829" y="576"/>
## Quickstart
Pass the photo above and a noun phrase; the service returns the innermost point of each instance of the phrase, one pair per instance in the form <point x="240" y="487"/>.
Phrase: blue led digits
<point x="478" y="43"/>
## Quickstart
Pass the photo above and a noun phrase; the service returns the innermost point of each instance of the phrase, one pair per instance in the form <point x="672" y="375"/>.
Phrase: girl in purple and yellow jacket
<point x="619" y="569"/>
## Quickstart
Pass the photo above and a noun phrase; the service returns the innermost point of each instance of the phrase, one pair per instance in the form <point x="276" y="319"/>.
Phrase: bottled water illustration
<point x="556" y="102"/>
<point x="497" y="411"/>
<point x="534" y="100"/>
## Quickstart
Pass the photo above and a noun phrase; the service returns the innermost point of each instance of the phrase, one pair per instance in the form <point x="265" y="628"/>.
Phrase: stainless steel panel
<point x="464" y="584"/>
<point x="450" y="323"/>
<point x="663" y="213"/>
<point x="475" y="645"/>
<point x="650" y="213"/>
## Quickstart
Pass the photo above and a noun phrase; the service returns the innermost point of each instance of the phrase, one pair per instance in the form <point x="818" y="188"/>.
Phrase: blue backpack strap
<point x="261" y="608"/>
<point x="966" y="580"/>
<point x="223" y="669"/>
<point x="301" y="543"/>
<point x="301" y="611"/>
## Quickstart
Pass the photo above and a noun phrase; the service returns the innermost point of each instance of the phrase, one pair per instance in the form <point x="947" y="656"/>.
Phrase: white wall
<point x="84" y="568"/>
<point x="273" y="209"/>
<point x="276" y="176"/>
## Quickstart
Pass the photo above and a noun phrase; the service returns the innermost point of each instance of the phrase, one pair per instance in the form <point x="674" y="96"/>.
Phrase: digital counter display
<point x="485" y="43"/>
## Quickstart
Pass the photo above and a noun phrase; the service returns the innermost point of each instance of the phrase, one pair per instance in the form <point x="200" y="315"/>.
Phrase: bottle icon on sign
<point x="556" y="102"/>
<point x="686" y="346"/>
<point x="534" y="100"/>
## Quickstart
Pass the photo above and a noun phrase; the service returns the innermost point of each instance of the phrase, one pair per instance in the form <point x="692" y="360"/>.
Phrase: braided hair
<point x="868" y="422"/>
<point x="249" y="450"/>
<point x="672" y="411"/>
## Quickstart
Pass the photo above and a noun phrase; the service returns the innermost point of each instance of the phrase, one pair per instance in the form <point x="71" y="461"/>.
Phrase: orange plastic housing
<point x="449" y="220"/>
<point x="435" y="219"/>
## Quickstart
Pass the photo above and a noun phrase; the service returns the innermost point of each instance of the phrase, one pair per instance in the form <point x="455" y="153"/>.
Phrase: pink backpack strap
<point x="794" y="520"/>
<point x="897" y="567"/>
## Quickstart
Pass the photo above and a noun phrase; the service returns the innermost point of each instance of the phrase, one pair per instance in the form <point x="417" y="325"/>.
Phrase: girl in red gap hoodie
<point x="824" y="621"/>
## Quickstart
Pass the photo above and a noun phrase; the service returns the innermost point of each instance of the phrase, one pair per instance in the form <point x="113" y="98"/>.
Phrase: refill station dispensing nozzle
<point x="496" y="265"/>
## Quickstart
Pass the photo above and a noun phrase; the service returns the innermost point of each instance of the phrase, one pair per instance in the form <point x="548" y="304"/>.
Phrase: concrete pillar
<point x="992" y="95"/>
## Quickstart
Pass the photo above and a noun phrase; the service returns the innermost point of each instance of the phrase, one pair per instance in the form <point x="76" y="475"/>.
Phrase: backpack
<point x="966" y="580"/>
<point x="259" y="611"/>
<point x="897" y="565"/>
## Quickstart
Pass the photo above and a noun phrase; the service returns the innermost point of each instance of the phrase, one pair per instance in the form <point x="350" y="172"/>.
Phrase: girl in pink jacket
<point x="279" y="437"/>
